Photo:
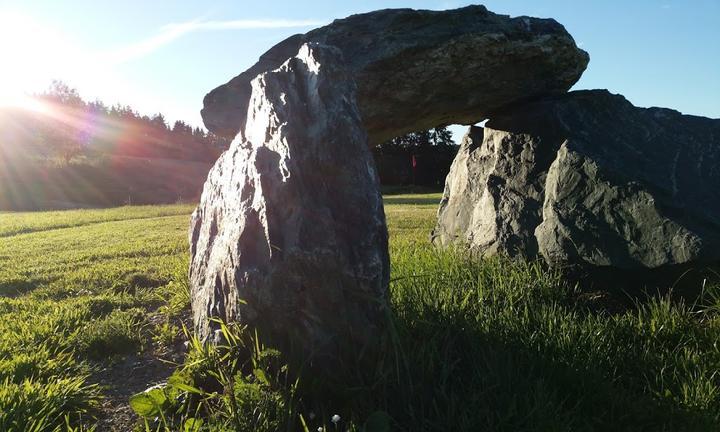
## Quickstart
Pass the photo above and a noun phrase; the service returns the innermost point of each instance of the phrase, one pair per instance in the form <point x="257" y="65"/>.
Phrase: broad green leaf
<point x="192" y="425"/>
<point x="158" y="396"/>
<point x="149" y="403"/>
<point x="143" y="405"/>
<point x="260" y="375"/>
<point x="181" y="382"/>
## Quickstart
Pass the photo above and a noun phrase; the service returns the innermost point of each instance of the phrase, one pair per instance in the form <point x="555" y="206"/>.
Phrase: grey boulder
<point x="290" y="235"/>
<point x="587" y="179"/>
<point x="417" y="69"/>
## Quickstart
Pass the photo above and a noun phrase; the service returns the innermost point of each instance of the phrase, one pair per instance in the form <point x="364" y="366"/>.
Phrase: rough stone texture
<point x="587" y="178"/>
<point x="290" y="232"/>
<point x="494" y="193"/>
<point x="419" y="69"/>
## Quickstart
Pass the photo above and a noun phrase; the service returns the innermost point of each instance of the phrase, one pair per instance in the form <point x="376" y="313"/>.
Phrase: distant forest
<point x="70" y="128"/>
<point x="418" y="158"/>
<point x="71" y="153"/>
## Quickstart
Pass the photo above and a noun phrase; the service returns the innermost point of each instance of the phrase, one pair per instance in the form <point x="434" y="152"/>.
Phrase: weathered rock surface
<point x="494" y="193"/>
<point x="419" y="69"/>
<point x="290" y="233"/>
<point x="587" y="178"/>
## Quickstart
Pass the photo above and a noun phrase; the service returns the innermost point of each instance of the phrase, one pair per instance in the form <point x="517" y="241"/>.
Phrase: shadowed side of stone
<point x="417" y="69"/>
<point x="290" y="232"/>
<point x="588" y="179"/>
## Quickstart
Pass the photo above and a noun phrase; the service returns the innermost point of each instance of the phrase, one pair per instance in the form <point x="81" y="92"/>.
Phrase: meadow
<point x="94" y="308"/>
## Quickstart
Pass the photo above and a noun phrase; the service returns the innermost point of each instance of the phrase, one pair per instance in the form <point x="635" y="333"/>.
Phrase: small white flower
<point x="320" y="429"/>
<point x="335" y="418"/>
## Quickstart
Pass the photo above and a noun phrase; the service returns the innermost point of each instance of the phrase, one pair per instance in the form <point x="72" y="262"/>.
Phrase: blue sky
<point x="165" y="55"/>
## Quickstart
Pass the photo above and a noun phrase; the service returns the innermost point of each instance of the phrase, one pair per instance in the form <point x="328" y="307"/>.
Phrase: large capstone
<point x="419" y="69"/>
<point x="587" y="179"/>
<point x="290" y="233"/>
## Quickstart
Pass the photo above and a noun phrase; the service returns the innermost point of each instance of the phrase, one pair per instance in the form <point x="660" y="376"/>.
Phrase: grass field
<point x="92" y="304"/>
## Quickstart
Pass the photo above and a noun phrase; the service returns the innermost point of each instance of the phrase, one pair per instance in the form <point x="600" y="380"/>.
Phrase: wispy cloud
<point x="242" y="24"/>
<point x="170" y="32"/>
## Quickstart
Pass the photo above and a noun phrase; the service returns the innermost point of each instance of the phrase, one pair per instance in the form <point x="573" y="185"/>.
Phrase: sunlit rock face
<point x="494" y="194"/>
<point x="290" y="233"/>
<point x="415" y="70"/>
<point x="587" y="179"/>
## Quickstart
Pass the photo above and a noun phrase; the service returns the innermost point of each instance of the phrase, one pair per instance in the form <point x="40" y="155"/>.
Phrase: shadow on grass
<point x="499" y="345"/>
<point x="503" y="346"/>
<point x="14" y="288"/>
<point x="461" y="379"/>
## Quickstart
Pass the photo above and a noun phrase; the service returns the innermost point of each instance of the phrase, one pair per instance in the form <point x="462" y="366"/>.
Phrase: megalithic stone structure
<point x="290" y="234"/>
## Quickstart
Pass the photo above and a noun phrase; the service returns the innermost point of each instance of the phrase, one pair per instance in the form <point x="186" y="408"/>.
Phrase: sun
<point x="22" y="101"/>
<point x="32" y="55"/>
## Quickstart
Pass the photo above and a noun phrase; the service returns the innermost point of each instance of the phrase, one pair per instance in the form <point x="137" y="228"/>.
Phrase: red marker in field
<point x="414" y="169"/>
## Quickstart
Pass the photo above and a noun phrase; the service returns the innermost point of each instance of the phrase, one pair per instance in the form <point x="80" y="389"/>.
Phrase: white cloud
<point x="243" y="24"/>
<point x="170" y="32"/>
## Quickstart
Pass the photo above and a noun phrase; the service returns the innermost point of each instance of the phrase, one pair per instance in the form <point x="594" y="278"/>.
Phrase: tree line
<point x="419" y="158"/>
<point x="68" y="128"/>
<point x="65" y="152"/>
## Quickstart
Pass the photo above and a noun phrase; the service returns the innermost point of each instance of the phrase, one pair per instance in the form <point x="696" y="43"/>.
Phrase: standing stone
<point x="417" y="69"/>
<point x="588" y="179"/>
<point x="290" y="232"/>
